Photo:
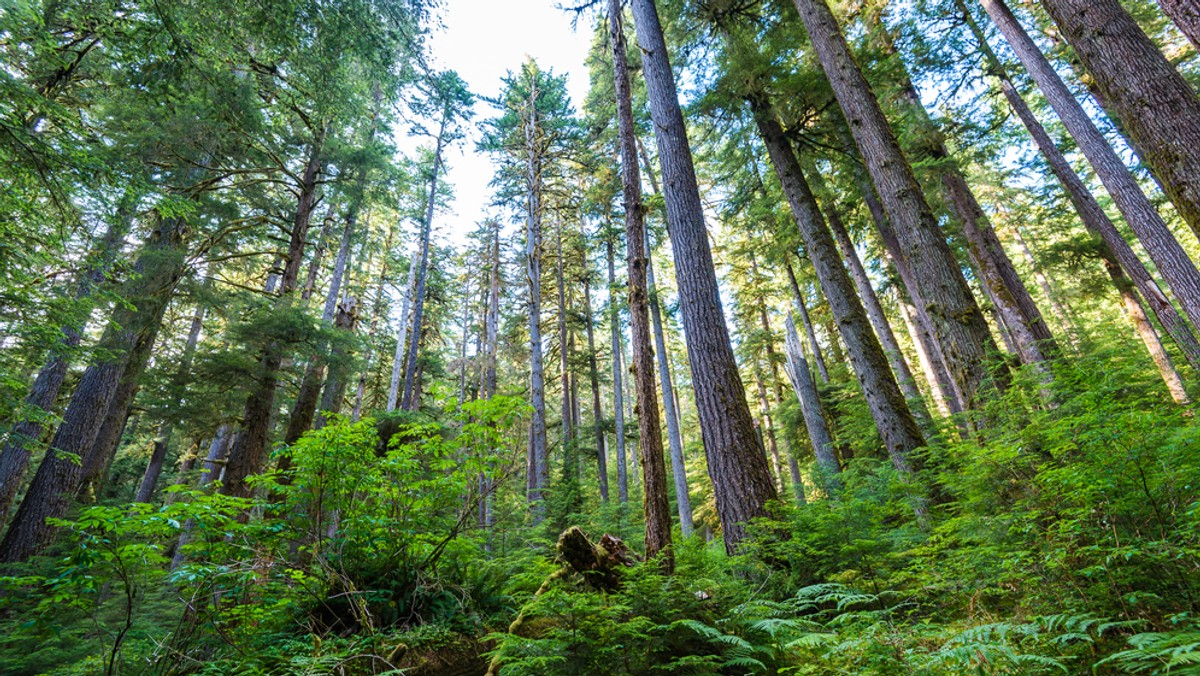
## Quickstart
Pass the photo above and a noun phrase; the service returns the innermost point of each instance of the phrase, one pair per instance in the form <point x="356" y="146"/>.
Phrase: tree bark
<point x="539" y="468"/>
<point x="957" y="322"/>
<point x="402" y="334"/>
<point x="893" y="419"/>
<point x="741" y="480"/>
<point x="248" y="454"/>
<point x="683" y="500"/>
<point x="1170" y="258"/>
<point x="27" y="430"/>
<point x="1186" y="15"/>
<point x="409" y="401"/>
<point x="1157" y="108"/>
<point x="564" y="361"/>
<point x="126" y="343"/>
<point x="870" y="300"/>
<point x="618" y="371"/>
<point x="810" y="408"/>
<point x="656" y="505"/>
<point x="594" y="376"/>
<point x="1145" y="330"/>
<point x="809" y="332"/>
<point x="163" y="442"/>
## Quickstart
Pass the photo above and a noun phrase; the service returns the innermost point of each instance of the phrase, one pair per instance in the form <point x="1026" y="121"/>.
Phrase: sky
<point x="482" y="40"/>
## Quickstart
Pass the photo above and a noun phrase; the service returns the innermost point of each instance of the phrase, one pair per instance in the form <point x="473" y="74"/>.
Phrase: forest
<point x="818" y="337"/>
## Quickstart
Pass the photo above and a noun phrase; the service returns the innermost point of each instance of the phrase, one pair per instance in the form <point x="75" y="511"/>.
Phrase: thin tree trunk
<point x="1170" y="258"/>
<point x="125" y="345"/>
<point x="594" y="376"/>
<point x="1157" y="108"/>
<point x="376" y="312"/>
<point x="1061" y="311"/>
<point x="539" y="466"/>
<point x="655" y="504"/>
<point x="334" y="393"/>
<point x="893" y="419"/>
<point x="683" y="500"/>
<point x="870" y="300"/>
<point x="671" y="406"/>
<point x="618" y="371"/>
<point x="409" y="401"/>
<point x="564" y="362"/>
<point x="810" y="408"/>
<point x="802" y="308"/>
<point x="163" y="442"/>
<point x="956" y="319"/>
<point x="402" y="334"/>
<point x="1145" y="330"/>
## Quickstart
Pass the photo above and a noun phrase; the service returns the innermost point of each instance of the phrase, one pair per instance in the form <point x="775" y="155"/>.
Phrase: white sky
<point x="483" y="40"/>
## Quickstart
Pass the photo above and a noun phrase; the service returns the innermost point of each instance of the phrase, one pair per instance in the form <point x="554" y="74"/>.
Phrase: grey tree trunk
<point x="1157" y="108"/>
<point x="1170" y="258"/>
<point x="893" y="419"/>
<point x="809" y="331"/>
<point x="810" y="408"/>
<point x="957" y="322"/>
<point x="409" y="400"/>
<point x="870" y="300"/>
<point x="618" y="371"/>
<point x="402" y="334"/>
<point x="564" y="361"/>
<point x="539" y="467"/>
<point x="1145" y="330"/>
<point x="683" y="500"/>
<point x="656" y="505"/>
<point x="594" y="376"/>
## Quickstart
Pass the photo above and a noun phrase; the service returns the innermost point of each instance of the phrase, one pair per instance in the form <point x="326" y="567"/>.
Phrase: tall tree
<point x="655" y="504"/>
<point x="736" y="461"/>
<point x="957" y="322"/>
<point x="1172" y="261"/>
<point x="1156" y="107"/>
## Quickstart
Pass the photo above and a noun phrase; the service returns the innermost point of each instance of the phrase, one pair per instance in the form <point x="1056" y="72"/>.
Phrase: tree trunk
<point x="376" y="312"/>
<point x="27" y="430"/>
<point x="409" y="401"/>
<point x="656" y="505"/>
<point x="539" y="467"/>
<point x="810" y="408"/>
<point x="564" y="362"/>
<point x="1145" y="330"/>
<point x="895" y="422"/>
<point x="594" y="376"/>
<point x="802" y="308"/>
<point x="334" y="393"/>
<point x="1186" y="15"/>
<point x="1170" y="258"/>
<point x="126" y="343"/>
<point x="870" y="300"/>
<point x="683" y="500"/>
<point x="1031" y="338"/>
<point x="1157" y="108"/>
<point x="618" y="371"/>
<point x="163" y="442"/>
<point x="956" y="319"/>
<point x="248" y="454"/>
<point x="741" y="480"/>
<point x="402" y="334"/>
